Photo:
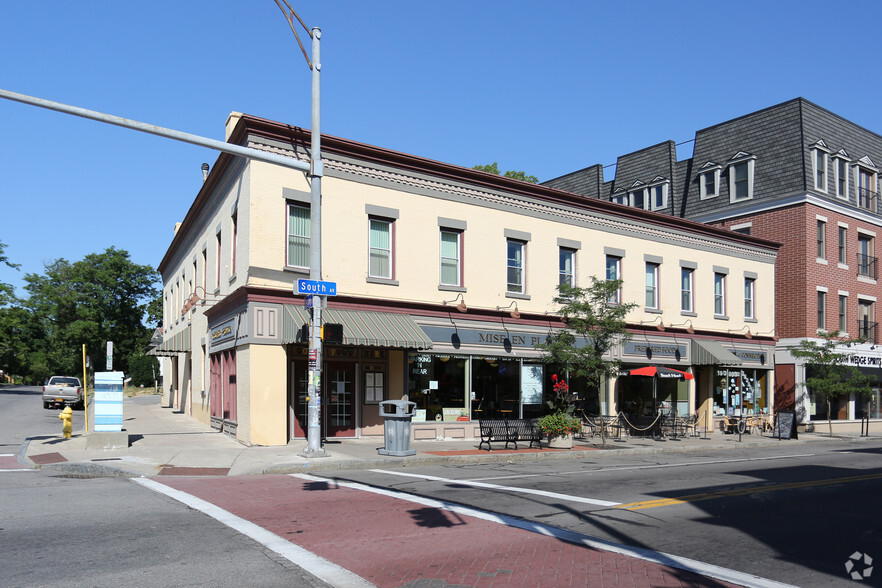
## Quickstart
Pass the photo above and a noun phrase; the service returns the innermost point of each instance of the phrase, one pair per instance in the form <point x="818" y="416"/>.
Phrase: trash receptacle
<point x="397" y="415"/>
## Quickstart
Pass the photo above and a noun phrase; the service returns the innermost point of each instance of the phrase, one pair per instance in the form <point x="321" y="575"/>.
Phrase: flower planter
<point x="561" y="442"/>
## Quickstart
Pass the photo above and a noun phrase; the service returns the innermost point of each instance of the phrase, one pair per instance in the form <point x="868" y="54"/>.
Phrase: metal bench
<point x="508" y="431"/>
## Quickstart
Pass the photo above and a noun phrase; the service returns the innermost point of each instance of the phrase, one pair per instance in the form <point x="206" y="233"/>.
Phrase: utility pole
<point x="314" y="379"/>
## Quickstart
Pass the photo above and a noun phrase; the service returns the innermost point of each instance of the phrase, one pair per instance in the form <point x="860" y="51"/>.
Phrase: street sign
<point x="316" y="287"/>
<point x="307" y="302"/>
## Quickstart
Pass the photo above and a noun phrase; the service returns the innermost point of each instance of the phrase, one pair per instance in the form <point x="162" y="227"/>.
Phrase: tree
<point x="102" y="298"/>
<point x="493" y="168"/>
<point x="593" y="325"/>
<point x="831" y="376"/>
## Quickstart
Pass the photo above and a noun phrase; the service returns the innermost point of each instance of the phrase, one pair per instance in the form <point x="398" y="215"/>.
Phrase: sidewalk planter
<point x="561" y="442"/>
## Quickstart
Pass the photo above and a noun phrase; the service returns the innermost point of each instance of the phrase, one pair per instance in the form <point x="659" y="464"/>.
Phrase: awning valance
<point x="707" y="352"/>
<point x="361" y="327"/>
<point x="177" y="343"/>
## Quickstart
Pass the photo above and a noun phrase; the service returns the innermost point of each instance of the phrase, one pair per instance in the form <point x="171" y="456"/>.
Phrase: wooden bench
<point x="508" y="431"/>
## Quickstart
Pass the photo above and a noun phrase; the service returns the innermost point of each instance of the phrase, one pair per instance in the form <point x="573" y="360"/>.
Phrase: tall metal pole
<point x="314" y="385"/>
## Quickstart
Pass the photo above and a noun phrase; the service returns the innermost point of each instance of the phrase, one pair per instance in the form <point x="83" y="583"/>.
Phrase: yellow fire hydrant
<point x="66" y="417"/>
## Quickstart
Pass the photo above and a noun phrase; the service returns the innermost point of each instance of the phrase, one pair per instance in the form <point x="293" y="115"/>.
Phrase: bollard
<point x="66" y="417"/>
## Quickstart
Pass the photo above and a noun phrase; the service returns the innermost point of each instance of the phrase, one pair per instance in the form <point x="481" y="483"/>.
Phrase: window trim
<point x="304" y="206"/>
<point x="521" y="268"/>
<point x="821" y="238"/>
<point x="390" y="222"/>
<point x="687" y="268"/>
<point x="842" y="245"/>
<point x="741" y="158"/>
<point x="841" y="160"/>
<point x="459" y="251"/>
<point x="664" y="186"/>
<point x="707" y="170"/>
<point x="572" y="256"/>
<point x="652" y="269"/>
<point x="843" y="314"/>
<point x="750" y="297"/>
<point x="822" y="309"/>
<point x="720" y="278"/>
<point x="818" y="152"/>
<point x="617" y="259"/>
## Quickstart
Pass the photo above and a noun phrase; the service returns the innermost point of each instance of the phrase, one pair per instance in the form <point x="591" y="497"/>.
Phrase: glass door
<point x="338" y="399"/>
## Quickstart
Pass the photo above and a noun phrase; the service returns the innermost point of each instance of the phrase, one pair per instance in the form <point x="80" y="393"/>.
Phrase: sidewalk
<point x="164" y="442"/>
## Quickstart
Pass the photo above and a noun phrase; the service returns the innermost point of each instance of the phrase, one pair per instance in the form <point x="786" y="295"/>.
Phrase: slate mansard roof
<point x="780" y="140"/>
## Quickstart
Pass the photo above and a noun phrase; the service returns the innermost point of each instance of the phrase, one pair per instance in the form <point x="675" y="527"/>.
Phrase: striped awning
<point x="707" y="352"/>
<point x="177" y="343"/>
<point x="360" y="327"/>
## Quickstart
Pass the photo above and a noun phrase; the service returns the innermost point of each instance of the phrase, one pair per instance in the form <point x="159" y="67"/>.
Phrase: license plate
<point x="59" y="400"/>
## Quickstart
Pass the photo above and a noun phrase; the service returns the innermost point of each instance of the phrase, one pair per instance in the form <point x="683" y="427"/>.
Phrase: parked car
<point x="63" y="391"/>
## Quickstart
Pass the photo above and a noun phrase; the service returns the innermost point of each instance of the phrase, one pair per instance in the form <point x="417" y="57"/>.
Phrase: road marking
<point x="648" y="467"/>
<point x="742" y="492"/>
<point x="312" y="563"/>
<point x="553" y="495"/>
<point x="665" y="559"/>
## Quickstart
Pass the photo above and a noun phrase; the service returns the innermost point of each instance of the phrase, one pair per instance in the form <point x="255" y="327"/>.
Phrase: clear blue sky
<point x="546" y="87"/>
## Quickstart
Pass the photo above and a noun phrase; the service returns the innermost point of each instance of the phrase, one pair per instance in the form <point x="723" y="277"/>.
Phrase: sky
<point x="546" y="88"/>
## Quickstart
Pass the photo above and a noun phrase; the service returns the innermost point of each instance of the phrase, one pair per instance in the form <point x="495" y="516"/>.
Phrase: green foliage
<point x="493" y="168"/>
<point x="593" y="325"/>
<point x="102" y="298"/>
<point x="143" y="369"/>
<point x="831" y="376"/>
<point x="558" y="424"/>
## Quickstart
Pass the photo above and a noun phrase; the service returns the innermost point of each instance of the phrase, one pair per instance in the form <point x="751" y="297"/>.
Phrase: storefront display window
<point x="437" y="384"/>
<point x="495" y="387"/>
<point x="740" y="392"/>
<point x="869" y="406"/>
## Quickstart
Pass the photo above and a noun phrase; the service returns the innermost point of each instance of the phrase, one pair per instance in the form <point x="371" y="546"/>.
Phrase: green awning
<point x="361" y="327"/>
<point x="707" y="352"/>
<point x="177" y="343"/>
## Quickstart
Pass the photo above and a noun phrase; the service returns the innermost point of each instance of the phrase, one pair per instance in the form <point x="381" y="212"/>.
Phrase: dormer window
<point x="619" y="197"/>
<point x="819" y="165"/>
<point x="865" y="182"/>
<point x="658" y="194"/>
<point x="741" y="172"/>
<point x="840" y="174"/>
<point x="637" y="196"/>
<point x="709" y="180"/>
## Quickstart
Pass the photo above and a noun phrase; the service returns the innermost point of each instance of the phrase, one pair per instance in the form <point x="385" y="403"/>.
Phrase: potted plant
<point x="560" y="424"/>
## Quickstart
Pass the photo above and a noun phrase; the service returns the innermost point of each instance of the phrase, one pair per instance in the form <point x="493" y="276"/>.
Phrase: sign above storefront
<point x="655" y="350"/>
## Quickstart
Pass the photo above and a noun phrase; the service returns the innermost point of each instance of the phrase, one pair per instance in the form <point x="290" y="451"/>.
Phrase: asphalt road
<point x="795" y="513"/>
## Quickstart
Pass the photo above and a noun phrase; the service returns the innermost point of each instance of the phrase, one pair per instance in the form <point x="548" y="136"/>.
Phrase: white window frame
<point x="305" y="238"/>
<point x="842" y="245"/>
<point x="456" y="261"/>
<point x="862" y="169"/>
<point x="615" y="298"/>
<point x="820" y="158"/>
<point x="519" y="268"/>
<point x="654" y="192"/>
<point x="821" y="239"/>
<point x="633" y="195"/>
<point x="840" y="174"/>
<point x="842" y="310"/>
<point x="687" y="289"/>
<point x="653" y="276"/>
<point x="749" y="297"/>
<point x="822" y="309"/>
<point x="712" y="171"/>
<point x="376" y="249"/>
<point x="741" y="159"/>
<point x="570" y="253"/>
<point x="619" y="198"/>
<point x="719" y="294"/>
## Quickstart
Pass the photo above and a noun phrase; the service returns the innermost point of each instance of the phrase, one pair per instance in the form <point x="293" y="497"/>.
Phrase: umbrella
<point x="656" y="372"/>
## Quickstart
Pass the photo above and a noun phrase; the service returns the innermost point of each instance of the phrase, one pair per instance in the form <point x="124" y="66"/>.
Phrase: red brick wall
<point x="798" y="273"/>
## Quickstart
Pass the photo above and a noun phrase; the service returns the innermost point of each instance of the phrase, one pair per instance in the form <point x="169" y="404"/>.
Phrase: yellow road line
<point x="742" y="491"/>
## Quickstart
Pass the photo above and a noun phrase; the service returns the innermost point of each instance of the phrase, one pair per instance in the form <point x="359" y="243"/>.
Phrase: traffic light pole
<point x="314" y="383"/>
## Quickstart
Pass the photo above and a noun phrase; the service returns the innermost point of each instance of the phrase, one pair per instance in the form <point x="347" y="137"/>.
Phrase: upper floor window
<point x="515" y="266"/>
<point x="749" y="297"/>
<point x="652" y="281"/>
<point x="687" y="275"/>
<point x="234" y="220"/>
<point x="659" y="196"/>
<point x="619" y="198"/>
<point x="719" y="294"/>
<point x="843" y="315"/>
<point x="822" y="239"/>
<point x="380" y="263"/>
<point x="840" y="175"/>
<point x="819" y="166"/>
<point x="866" y="186"/>
<point x="843" y="233"/>
<point x="866" y="260"/>
<point x="741" y="173"/>
<point x="709" y="180"/>
<point x="613" y="273"/>
<point x="638" y="198"/>
<point x="218" y="254"/>
<point x="451" y="257"/>
<point x="822" y="310"/>
<point x="866" y="320"/>
<point x="567" y="266"/>
<point x="298" y="236"/>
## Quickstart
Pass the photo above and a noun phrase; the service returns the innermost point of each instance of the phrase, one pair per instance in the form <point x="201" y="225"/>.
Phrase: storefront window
<point x="496" y="387"/>
<point x="869" y="406"/>
<point x="636" y="396"/>
<point x="438" y="387"/>
<point x="738" y="392"/>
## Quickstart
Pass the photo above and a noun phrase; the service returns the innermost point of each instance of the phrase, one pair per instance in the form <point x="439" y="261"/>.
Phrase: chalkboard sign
<point x="785" y="426"/>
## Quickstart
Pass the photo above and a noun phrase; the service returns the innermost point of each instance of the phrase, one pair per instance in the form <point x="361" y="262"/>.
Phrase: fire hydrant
<point x="66" y="417"/>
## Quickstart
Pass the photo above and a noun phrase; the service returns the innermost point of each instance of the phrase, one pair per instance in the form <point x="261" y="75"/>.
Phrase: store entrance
<point x="338" y="399"/>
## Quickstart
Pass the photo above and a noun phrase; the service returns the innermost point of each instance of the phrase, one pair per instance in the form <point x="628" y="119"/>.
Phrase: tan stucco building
<point x="445" y="283"/>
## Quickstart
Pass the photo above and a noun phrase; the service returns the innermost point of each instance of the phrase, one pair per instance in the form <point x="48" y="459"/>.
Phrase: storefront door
<point x="338" y="399"/>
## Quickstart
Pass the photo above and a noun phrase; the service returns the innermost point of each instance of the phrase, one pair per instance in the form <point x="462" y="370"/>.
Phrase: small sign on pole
<point x="110" y="356"/>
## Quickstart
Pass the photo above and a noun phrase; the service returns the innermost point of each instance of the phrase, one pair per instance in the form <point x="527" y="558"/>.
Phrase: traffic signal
<point x="332" y="333"/>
